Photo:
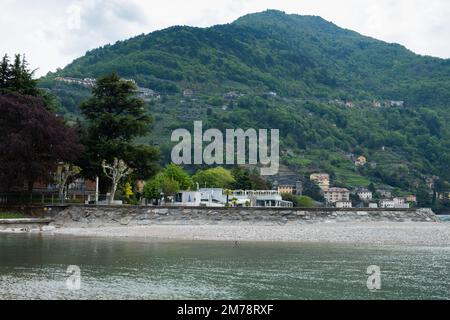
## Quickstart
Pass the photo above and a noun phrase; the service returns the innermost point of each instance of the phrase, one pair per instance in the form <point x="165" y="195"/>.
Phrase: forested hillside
<point x="333" y="93"/>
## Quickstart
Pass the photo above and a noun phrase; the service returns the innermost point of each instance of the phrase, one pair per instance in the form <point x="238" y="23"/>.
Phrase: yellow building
<point x="321" y="179"/>
<point x="286" y="189"/>
<point x="361" y="161"/>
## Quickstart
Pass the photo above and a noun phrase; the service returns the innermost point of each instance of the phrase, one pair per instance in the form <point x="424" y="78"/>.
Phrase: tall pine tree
<point x="5" y="73"/>
<point x="115" y="118"/>
<point x="17" y="78"/>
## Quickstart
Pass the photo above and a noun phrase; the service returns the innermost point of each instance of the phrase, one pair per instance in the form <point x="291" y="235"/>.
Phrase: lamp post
<point x="96" y="189"/>
<point x="59" y="173"/>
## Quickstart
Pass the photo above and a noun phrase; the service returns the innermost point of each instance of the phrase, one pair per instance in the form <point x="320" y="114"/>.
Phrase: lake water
<point x="34" y="267"/>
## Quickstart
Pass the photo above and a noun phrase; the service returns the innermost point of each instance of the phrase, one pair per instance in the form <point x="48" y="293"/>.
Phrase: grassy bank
<point x="9" y="215"/>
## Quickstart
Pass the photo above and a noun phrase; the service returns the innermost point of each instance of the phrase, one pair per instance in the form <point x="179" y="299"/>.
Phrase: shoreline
<point x="360" y="233"/>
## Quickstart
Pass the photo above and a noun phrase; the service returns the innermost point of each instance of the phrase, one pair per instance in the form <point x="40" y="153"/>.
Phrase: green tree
<point x="168" y="182"/>
<point x="5" y="73"/>
<point x="179" y="175"/>
<point x="299" y="201"/>
<point x="152" y="188"/>
<point x="115" y="118"/>
<point x="242" y="179"/>
<point x="21" y="78"/>
<point x="169" y="187"/>
<point x="17" y="78"/>
<point x="214" y="178"/>
<point x="424" y="199"/>
<point x="228" y="193"/>
<point x="312" y="190"/>
<point x="305" y="202"/>
<point x="248" y="180"/>
<point x="258" y="182"/>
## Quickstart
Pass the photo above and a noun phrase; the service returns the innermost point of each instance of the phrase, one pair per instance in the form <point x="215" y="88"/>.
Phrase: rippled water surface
<point x="34" y="267"/>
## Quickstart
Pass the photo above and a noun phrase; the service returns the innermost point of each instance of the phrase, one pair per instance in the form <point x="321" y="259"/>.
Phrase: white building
<point x="344" y="204"/>
<point x="387" y="203"/>
<point x="400" y="203"/>
<point x="188" y="93"/>
<point x="202" y="197"/>
<point x="364" y="194"/>
<point x="334" y="195"/>
<point x="396" y="203"/>
<point x="188" y="198"/>
<point x="147" y="94"/>
<point x="262" y="198"/>
<point x="215" y="197"/>
<point x="397" y="103"/>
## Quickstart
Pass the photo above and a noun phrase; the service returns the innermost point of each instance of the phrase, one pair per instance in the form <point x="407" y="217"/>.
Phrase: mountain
<point x="333" y="93"/>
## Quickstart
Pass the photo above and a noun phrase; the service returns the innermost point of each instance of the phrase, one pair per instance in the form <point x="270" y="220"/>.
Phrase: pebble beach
<point x="371" y="233"/>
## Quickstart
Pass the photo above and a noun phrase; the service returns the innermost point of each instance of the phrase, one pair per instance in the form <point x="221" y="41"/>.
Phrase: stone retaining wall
<point x="135" y="216"/>
<point x="23" y="224"/>
<point x="34" y="211"/>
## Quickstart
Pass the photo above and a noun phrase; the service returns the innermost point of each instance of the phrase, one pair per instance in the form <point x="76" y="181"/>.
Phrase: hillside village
<point x="87" y="190"/>
<point x="333" y="196"/>
<point x="145" y="94"/>
<point x="388" y="129"/>
<point x="359" y="197"/>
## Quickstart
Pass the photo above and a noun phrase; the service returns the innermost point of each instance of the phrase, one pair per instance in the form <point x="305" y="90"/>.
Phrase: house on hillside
<point x="188" y="93"/>
<point x="321" y="179"/>
<point x="337" y="102"/>
<point x="286" y="189"/>
<point x="147" y="94"/>
<point x="334" y="195"/>
<point x="364" y="194"/>
<point x="376" y="104"/>
<point x="361" y="161"/>
<point x="296" y="189"/>
<point x="87" y="82"/>
<point x="231" y="95"/>
<point x="271" y="94"/>
<point x="349" y="104"/>
<point x="400" y="103"/>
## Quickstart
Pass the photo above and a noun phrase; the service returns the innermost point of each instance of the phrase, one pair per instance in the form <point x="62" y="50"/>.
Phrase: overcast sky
<point x="54" y="32"/>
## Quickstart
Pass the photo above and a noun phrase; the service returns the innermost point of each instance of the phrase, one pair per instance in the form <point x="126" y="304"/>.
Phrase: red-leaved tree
<point x="32" y="141"/>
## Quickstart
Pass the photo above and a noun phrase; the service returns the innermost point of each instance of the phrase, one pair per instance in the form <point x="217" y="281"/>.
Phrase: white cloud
<point x="53" y="32"/>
